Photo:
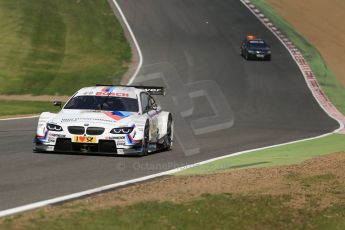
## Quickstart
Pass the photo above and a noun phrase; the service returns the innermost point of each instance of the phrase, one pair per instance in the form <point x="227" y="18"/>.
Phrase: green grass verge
<point x="283" y="155"/>
<point x="226" y="211"/>
<point x="327" y="80"/>
<point x="57" y="47"/>
<point x="8" y="108"/>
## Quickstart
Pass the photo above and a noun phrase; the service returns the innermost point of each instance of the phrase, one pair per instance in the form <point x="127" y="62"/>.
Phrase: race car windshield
<point x="256" y="44"/>
<point x="103" y="103"/>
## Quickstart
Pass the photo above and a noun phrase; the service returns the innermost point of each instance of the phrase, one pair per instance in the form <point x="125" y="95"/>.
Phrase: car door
<point x="149" y="109"/>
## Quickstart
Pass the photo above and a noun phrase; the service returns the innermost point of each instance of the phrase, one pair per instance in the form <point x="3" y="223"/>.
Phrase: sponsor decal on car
<point x="84" y="139"/>
<point x="118" y="138"/>
<point x="108" y="91"/>
<point x="53" y="136"/>
<point x="118" y="115"/>
<point x="130" y="140"/>
<point x="121" y="142"/>
<point x="99" y="120"/>
<point x="43" y="138"/>
<point x="57" y="135"/>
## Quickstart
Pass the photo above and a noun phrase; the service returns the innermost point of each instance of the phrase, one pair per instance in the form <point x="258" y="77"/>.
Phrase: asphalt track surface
<point x="186" y="41"/>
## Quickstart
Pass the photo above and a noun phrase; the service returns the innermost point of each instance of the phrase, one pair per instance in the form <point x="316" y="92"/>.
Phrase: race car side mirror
<point x="57" y="103"/>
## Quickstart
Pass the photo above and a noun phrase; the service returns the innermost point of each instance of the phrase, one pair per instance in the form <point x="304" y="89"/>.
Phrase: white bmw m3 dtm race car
<point x="107" y="119"/>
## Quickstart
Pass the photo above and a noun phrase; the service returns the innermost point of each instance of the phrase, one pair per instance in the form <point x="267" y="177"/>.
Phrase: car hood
<point x="94" y="118"/>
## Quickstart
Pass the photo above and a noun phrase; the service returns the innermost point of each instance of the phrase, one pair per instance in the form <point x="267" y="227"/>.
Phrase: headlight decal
<point x="125" y="130"/>
<point x="53" y="127"/>
<point x="122" y="130"/>
<point x="116" y="131"/>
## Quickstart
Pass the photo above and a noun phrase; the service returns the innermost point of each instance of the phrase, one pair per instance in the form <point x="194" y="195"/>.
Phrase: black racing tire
<point x="146" y="140"/>
<point x="168" y="138"/>
<point x="247" y="56"/>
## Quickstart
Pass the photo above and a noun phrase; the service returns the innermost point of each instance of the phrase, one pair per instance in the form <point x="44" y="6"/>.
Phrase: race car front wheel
<point x="146" y="140"/>
<point x="168" y="139"/>
<point x="247" y="56"/>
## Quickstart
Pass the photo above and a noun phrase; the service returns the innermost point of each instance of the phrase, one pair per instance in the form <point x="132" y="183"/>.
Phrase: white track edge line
<point x="18" y="118"/>
<point x="39" y="204"/>
<point x="60" y="199"/>
<point x="134" y="40"/>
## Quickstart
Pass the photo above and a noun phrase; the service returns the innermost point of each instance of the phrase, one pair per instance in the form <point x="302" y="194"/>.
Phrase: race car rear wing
<point x="152" y="90"/>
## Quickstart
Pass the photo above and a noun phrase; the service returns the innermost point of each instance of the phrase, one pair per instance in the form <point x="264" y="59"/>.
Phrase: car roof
<point x="253" y="39"/>
<point x="113" y="91"/>
<point x="256" y="41"/>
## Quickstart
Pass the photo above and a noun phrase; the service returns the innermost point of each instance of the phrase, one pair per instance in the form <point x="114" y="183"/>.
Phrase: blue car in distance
<point x="253" y="48"/>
